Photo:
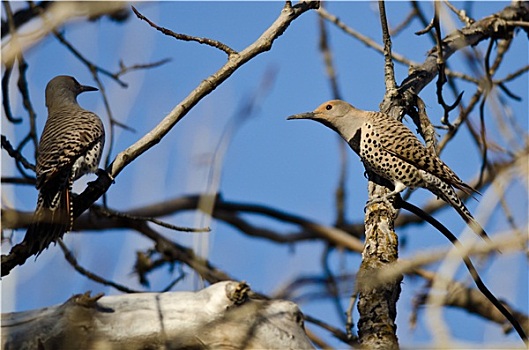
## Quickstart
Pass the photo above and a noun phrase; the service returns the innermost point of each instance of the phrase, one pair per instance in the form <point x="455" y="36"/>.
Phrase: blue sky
<point x="292" y="166"/>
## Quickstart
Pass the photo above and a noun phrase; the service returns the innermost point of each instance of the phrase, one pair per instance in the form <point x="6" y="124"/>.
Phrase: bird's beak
<point x="88" y="88"/>
<point x="308" y="115"/>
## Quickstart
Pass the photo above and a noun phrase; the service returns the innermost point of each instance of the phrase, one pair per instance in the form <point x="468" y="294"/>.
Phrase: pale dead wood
<point x="224" y="315"/>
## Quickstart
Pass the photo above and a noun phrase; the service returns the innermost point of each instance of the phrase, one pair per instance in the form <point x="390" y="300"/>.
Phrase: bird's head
<point x="337" y="115"/>
<point x="64" y="89"/>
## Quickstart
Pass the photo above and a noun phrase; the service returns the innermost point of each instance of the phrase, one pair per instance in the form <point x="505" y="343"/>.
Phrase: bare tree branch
<point x="262" y="44"/>
<point x="19" y="253"/>
<point x="210" y="42"/>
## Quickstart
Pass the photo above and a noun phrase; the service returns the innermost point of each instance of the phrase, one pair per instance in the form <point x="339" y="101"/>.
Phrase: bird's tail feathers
<point x="467" y="189"/>
<point x="451" y="198"/>
<point x="49" y="223"/>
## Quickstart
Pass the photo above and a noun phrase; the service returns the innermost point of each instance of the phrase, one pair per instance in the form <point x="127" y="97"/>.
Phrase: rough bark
<point x="377" y="301"/>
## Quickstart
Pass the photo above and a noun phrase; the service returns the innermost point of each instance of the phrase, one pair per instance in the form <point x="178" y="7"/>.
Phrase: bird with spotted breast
<point x="70" y="147"/>
<point x="392" y="151"/>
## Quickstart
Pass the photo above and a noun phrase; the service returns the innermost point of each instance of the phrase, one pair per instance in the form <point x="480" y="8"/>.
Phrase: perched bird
<point x="389" y="149"/>
<point x="70" y="146"/>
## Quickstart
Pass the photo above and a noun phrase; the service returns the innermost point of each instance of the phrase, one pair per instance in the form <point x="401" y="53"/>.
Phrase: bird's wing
<point x="407" y="147"/>
<point x="435" y="166"/>
<point x="65" y="140"/>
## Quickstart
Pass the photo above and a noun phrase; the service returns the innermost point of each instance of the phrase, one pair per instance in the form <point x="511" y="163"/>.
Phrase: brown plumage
<point x="70" y="146"/>
<point x="389" y="149"/>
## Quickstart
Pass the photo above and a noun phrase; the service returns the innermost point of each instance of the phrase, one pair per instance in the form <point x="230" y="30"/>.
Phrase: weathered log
<point x="224" y="315"/>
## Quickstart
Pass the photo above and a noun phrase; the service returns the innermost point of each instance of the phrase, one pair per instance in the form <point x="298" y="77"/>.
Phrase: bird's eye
<point x="328" y="107"/>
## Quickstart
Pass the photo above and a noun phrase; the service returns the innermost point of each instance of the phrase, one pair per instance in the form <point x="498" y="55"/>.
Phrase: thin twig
<point x="426" y="127"/>
<point x="340" y="192"/>
<point x="446" y="71"/>
<point x="15" y="154"/>
<point x="22" y="85"/>
<point x="441" y="65"/>
<point x="461" y="14"/>
<point x="5" y="93"/>
<point x="517" y="24"/>
<point x="330" y="69"/>
<point x="464" y="112"/>
<point x="173" y="283"/>
<point x="291" y="291"/>
<point x="92" y="66"/>
<point x="389" y="71"/>
<point x="469" y="265"/>
<point x="508" y="92"/>
<point x="337" y="333"/>
<point x="246" y="110"/>
<point x="8" y="66"/>
<point x="127" y="69"/>
<point x="173" y="251"/>
<point x="113" y="213"/>
<point x="210" y="42"/>
<point x="513" y="75"/>
<point x="349" y="324"/>
<point x="362" y="38"/>
<point x="487" y="86"/>
<point x="427" y="29"/>
<point x="502" y="49"/>
<point x="332" y="284"/>
<point x="262" y="44"/>
<point x="405" y="23"/>
<point x="18" y="180"/>
<point x="68" y="255"/>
